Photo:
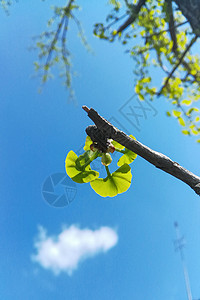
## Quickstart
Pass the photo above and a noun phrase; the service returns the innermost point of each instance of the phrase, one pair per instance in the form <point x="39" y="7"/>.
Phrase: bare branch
<point x="159" y="160"/>
<point x="66" y="54"/>
<point x="52" y="45"/>
<point x="81" y="32"/>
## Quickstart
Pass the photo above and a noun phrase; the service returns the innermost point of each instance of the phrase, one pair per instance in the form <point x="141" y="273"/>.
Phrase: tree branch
<point x="178" y="64"/>
<point x="133" y="16"/>
<point x="166" y="30"/>
<point x="171" y="23"/>
<point x="191" y="11"/>
<point x="159" y="160"/>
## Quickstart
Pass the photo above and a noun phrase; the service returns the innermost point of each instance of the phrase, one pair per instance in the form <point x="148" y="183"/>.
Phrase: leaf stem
<point x="119" y="150"/>
<point x="90" y="159"/>
<point x="108" y="172"/>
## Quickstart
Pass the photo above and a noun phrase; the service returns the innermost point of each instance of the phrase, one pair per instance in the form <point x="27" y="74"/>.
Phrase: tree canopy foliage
<point x="160" y="36"/>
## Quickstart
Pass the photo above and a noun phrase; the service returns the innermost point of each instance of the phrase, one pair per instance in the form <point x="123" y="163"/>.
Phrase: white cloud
<point x="72" y="245"/>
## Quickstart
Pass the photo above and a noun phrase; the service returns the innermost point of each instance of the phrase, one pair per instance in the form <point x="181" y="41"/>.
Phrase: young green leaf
<point x="181" y="121"/>
<point x="186" y="132"/>
<point x="186" y="102"/>
<point x="117" y="145"/>
<point x="176" y="113"/>
<point x="88" y="142"/>
<point x="128" y="157"/>
<point x="115" y="183"/>
<point x="76" y="169"/>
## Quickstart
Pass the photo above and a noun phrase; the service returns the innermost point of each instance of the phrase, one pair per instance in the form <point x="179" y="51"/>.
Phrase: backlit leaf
<point x="75" y="169"/>
<point x="115" y="183"/>
<point x="88" y="142"/>
<point x="176" y="113"/>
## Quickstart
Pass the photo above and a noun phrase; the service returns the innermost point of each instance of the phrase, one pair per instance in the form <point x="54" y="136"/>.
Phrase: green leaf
<point x="191" y="110"/>
<point x="168" y="114"/>
<point x="117" y="145"/>
<point x="186" y="102"/>
<point x="88" y="142"/>
<point x="186" y="132"/>
<point x="46" y="67"/>
<point x="181" y="121"/>
<point x="44" y="78"/>
<point x="115" y="183"/>
<point x="194" y="131"/>
<point x="176" y="113"/>
<point x="76" y="170"/>
<point x="128" y="157"/>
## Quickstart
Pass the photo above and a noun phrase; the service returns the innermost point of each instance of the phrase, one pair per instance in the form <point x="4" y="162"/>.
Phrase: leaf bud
<point x="106" y="159"/>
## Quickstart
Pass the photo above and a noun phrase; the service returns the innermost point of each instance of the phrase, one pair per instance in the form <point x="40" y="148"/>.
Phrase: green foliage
<point x="128" y="156"/>
<point x="79" y="170"/>
<point x="116" y="4"/>
<point x="157" y="37"/>
<point x="88" y="142"/>
<point x="116" y="183"/>
<point x="155" y="48"/>
<point x="52" y="45"/>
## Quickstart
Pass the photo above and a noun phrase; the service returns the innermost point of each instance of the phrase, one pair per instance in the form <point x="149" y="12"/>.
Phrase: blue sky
<point x="126" y="243"/>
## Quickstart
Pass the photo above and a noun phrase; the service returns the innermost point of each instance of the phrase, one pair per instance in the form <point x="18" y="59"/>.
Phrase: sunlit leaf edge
<point x="77" y="175"/>
<point x="116" y="183"/>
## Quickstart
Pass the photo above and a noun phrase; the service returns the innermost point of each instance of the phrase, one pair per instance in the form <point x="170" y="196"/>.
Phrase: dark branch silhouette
<point x="159" y="160"/>
<point x="171" y="23"/>
<point x="178" y="64"/>
<point x="135" y="11"/>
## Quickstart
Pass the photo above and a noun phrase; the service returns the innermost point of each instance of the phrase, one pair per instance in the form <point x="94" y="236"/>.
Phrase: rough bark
<point x="191" y="10"/>
<point x="159" y="160"/>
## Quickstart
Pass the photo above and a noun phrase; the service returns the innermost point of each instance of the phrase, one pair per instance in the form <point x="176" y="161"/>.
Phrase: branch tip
<point x="157" y="159"/>
<point x="85" y="108"/>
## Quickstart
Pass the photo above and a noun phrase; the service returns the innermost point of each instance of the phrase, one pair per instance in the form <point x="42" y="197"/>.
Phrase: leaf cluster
<point x="152" y="46"/>
<point x="79" y="170"/>
<point x="52" y="45"/>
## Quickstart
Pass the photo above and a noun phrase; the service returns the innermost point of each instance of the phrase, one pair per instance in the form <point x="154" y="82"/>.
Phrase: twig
<point x="66" y="53"/>
<point x="52" y="45"/>
<point x="178" y="64"/>
<point x="80" y="29"/>
<point x="115" y="21"/>
<point x="163" y="31"/>
<point x="159" y="160"/>
<point x="132" y="17"/>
